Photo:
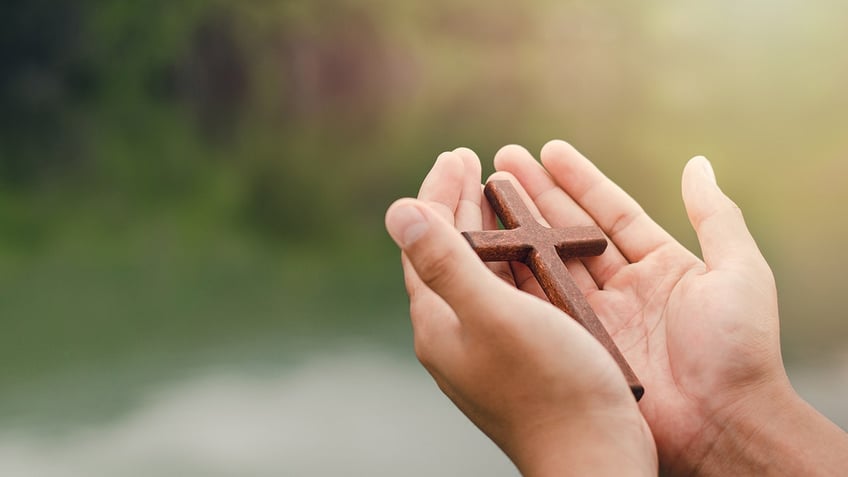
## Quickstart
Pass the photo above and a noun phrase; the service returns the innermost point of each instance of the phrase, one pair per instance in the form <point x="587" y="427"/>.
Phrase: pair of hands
<point x="702" y="335"/>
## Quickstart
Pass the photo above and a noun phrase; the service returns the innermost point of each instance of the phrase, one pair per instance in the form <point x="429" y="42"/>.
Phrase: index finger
<point x="624" y="221"/>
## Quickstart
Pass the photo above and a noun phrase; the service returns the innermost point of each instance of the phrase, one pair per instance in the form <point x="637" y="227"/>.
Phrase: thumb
<point x="441" y="257"/>
<point x="718" y="222"/>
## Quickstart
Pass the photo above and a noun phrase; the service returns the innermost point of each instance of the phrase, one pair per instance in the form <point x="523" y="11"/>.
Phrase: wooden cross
<point x="543" y="250"/>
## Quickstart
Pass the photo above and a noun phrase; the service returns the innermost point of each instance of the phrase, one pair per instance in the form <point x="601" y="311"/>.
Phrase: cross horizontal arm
<point x="515" y="244"/>
<point x="499" y="245"/>
<point x="573" y="242"/>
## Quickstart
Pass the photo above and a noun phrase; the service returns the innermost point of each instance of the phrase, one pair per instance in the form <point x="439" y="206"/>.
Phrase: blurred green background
<point x="194" y="186"/>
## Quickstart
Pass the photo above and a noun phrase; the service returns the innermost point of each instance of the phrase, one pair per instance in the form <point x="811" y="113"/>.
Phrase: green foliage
<point x="183" y="174"/>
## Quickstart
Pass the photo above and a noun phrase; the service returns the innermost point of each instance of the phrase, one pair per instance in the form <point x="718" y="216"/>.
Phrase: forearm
<point x="781" y="436"/>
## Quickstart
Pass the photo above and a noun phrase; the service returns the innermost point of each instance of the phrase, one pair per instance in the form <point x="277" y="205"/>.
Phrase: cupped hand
<point x="528" y="376"/>
<point x="702" y="335"/>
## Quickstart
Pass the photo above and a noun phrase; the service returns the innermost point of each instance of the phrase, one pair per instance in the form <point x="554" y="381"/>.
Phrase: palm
<point x="689" y="334"/>
<point x="655" y="310"/>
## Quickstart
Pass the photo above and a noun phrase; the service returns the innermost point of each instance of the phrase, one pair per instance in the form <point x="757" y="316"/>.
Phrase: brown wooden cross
<point x="543" y="250"/>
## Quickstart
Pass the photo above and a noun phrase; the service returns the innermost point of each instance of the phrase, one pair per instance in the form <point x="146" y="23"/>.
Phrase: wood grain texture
<point x="544" y="250"/>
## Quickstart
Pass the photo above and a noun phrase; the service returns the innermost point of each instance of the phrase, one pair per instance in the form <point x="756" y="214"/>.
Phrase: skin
<point x="539" y="385"/>
<point x="702" y="335"/>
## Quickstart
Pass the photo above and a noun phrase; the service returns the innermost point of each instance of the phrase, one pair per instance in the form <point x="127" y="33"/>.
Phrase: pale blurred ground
<point x="360" y="412"/>
<point x="356" y="412"/>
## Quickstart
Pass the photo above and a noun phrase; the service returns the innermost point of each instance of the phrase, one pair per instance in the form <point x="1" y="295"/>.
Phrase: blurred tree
<point x="44" y="72"/>
<point x="212" y="75"/>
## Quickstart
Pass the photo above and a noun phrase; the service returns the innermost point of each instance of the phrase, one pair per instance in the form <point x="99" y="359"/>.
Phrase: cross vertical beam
<point x="543" y="250"/>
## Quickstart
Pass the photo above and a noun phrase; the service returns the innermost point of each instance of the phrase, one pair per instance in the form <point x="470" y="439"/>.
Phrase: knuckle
<point x="438" y="269"/>
<point x="734" y="209"/>
<point x="729" y="206"/>
<point x="725" y="213"/>
<point x="765" y="272"/>
<point x="622" y="221"/>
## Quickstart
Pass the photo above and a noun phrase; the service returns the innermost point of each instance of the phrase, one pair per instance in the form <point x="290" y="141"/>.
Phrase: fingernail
<point x="708" y="168"/>
<point x="406" y="224"/>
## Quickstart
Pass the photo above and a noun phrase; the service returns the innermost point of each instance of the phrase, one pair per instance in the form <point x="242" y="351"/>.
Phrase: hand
<point x="528" y="376"/>
<point x="702" y="335"/>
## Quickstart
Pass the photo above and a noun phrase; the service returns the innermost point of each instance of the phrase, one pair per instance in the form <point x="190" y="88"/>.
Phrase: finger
<point x="621" y="218"/>
<point x="443" y="260"/>
<point x="468" y="213"/>
<point x="718" y="222"/>
<point x="524" y="279"/>
<point x="442" y="188"/>
<point x="474" y="212"/>
<point x="556" y="206"/>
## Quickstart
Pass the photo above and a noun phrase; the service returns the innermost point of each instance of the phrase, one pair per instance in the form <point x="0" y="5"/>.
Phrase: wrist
<point x="600" y="444"/>
<point x="774" y="433"/>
